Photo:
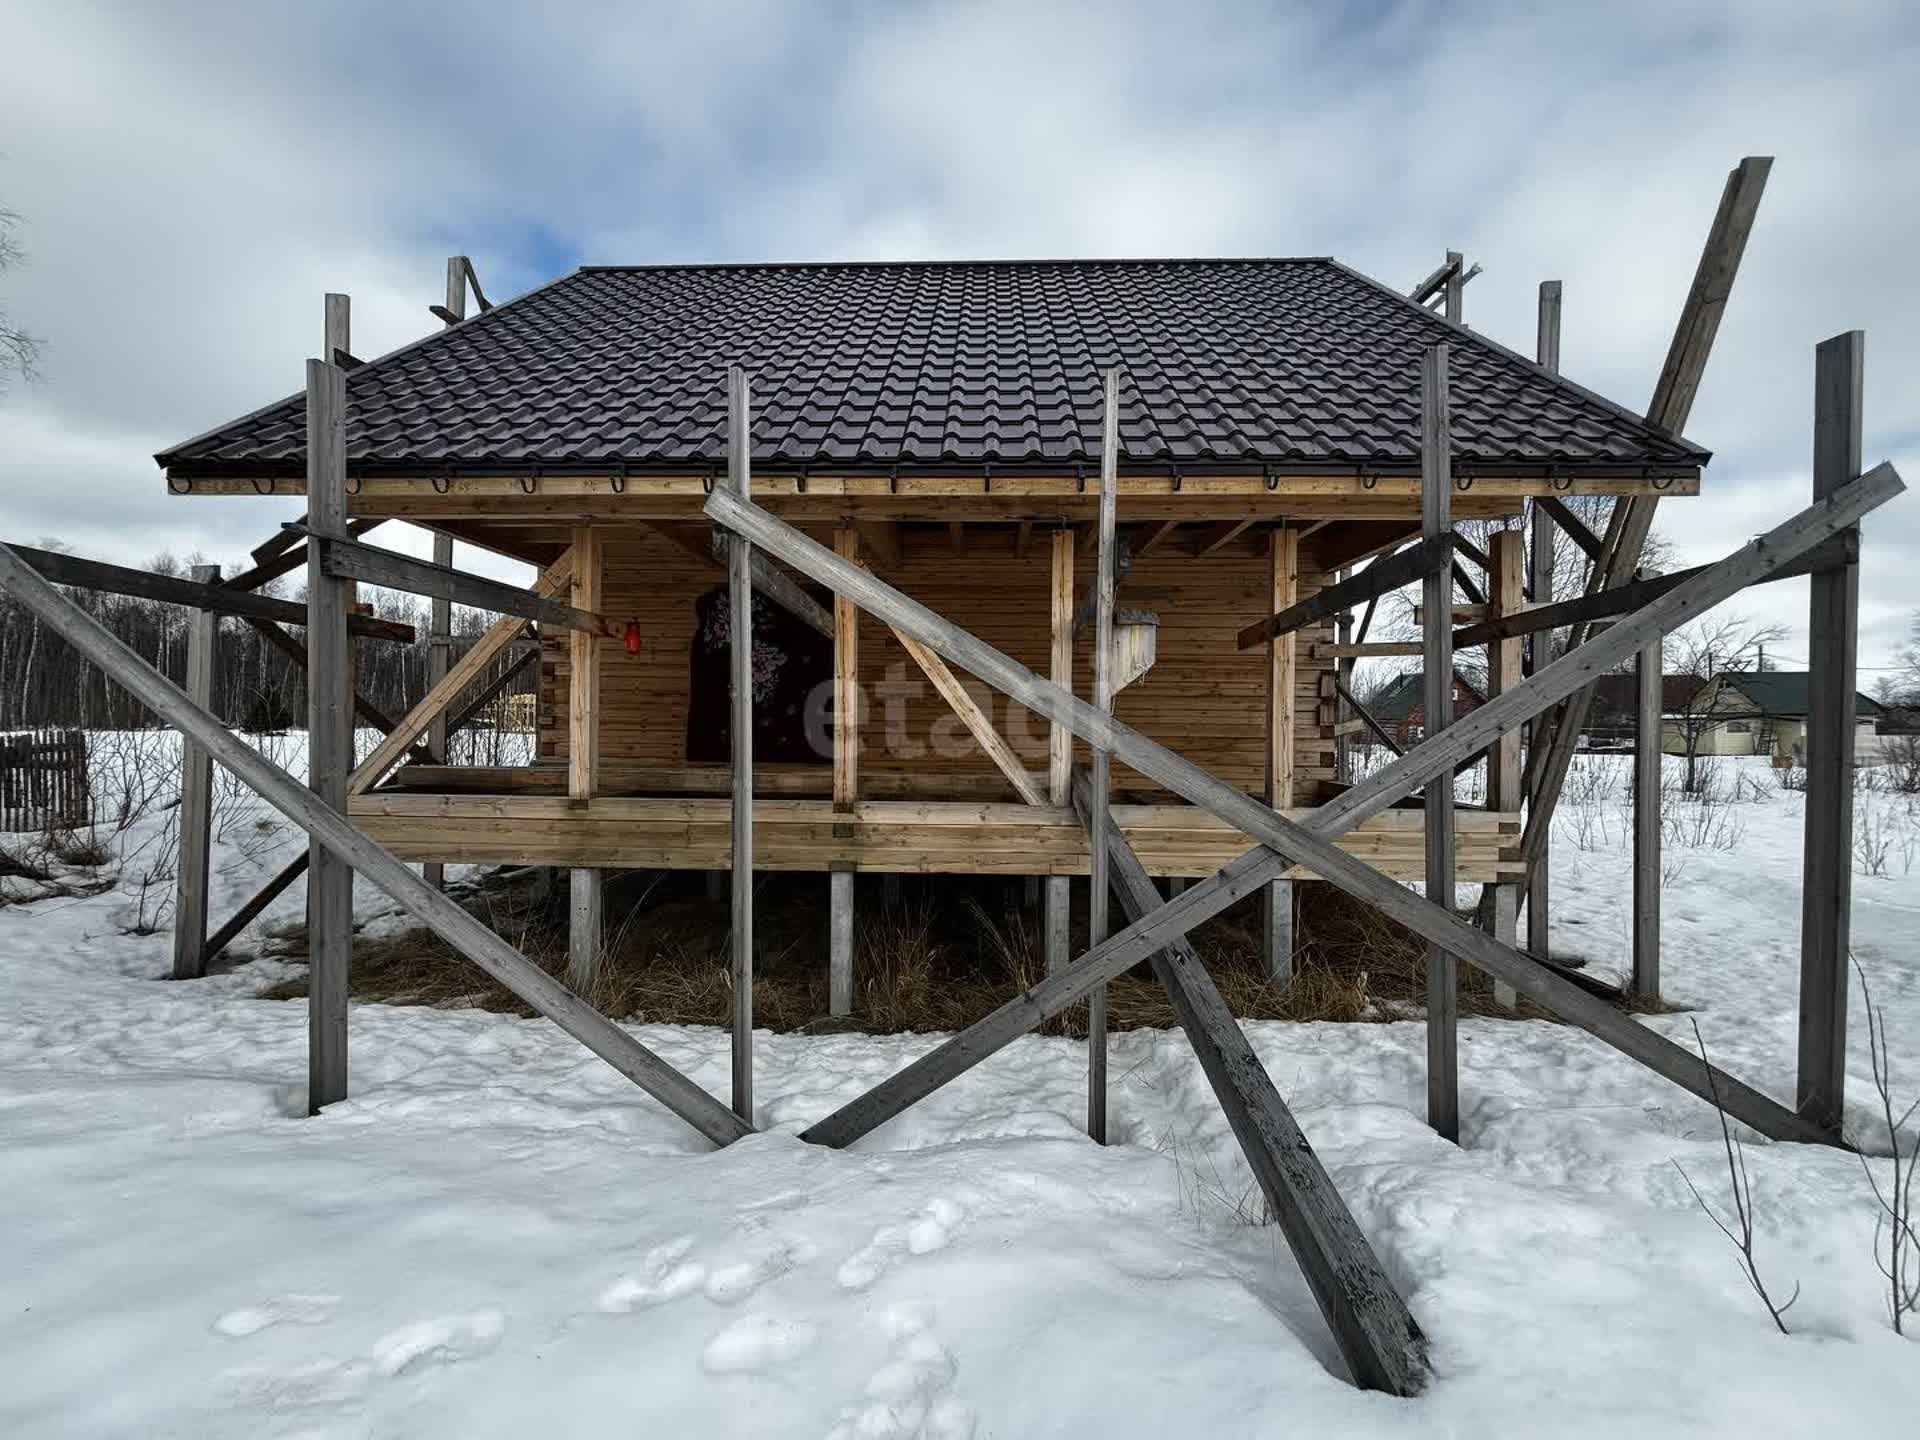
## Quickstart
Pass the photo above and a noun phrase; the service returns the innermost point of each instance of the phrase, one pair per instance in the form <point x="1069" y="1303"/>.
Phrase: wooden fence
<point x="43" y="780"/>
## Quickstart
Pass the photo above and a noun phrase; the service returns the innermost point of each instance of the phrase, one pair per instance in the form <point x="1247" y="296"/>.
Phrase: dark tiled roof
<point x="1784" y="693"/>
<point x="1226" y="363"/>
<point x="1406" y="692"/>
<point x="1616" y="697"/>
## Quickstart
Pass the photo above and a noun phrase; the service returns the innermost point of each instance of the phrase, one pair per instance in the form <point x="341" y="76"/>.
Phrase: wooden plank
<point x="1383" y="1348"/>
<point x="739" y="486"/>
<point x="840" y="942"/>
<point x="352" y="560"/>
<point x="220" y="599"/>
<point x="1323" y="650"/>
<point x="1155" y="534"/>
<point x="1388" y="573"/>
<point x="439" y="654"/>
<point x="329" y="740"/>
<point x="337" y="331"/>
<point x="1833" y="637"/>
<point x="846" y="775"/>
<point x="1646" y="824"/>
<point x="296" y="652"/>
<point x="585" y="931"/>
<point x="338" y="835"/>
<point x="1099" y="880"/>
<point x="1283" y="588"/>
<point x="456" y="306"/>
<point x="1506" y="582"/>
<point x="1571" y="524"/>
<point x="1365" y="716"/>
<point x="1443" y="971"/>
<point x="1539" y="655"/>
<point x="1456" y="285"/>
<point x="1059" y="896"/>
<point x="1310" y="844"/>
<point x="978" y="724"/>
<point x="1546" y="343"/>
<point x="196" y="798"/>
<point x="1221" y="536"/>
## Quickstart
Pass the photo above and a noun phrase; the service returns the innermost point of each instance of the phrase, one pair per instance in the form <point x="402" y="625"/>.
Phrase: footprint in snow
<point x="291" y="1309"/>
<point x="665" y="1273"/>
<point x="332" y="1384"/>
<point x="912" y="1393"/>
<point x="444" y="1341"/>
<point x="755" y="1343"/>
<point x="930" y="1230"/>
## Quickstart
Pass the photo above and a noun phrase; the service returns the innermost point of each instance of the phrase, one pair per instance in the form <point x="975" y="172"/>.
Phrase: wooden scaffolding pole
<point x="329" y="739"/>
<point x="846" y="776"/>
<point x="586" y="924"/>
<point x="332" y="830"/>
<point x="196" y="797"/>
<point x="439" y="652"/>
<point x="1099" y="886"/>
<point x="1506" y="584"/>
<point x="1833" y="637"/>
<point x="1059" y="897"/>
<point x="1283" y="580"/>
<point x="1540" y="647"/>
<point x="740" y="647"/>
<point x="1649" y="674"/>
<point x="1436" y="517"/>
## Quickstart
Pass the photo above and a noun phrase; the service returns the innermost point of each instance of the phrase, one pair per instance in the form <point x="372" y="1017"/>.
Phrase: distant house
<point x="1760" y="713"/>
<point x="1613" y="718"/>
<point x="1401" y="708"/>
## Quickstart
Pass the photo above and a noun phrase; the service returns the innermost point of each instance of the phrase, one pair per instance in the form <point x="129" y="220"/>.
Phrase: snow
<point x="498" y="1235"/>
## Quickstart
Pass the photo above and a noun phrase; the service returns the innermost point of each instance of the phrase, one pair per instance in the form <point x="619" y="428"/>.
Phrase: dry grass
<point x="952" y="950"/>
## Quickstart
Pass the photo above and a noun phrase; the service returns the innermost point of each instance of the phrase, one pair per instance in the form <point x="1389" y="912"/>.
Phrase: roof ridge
<point x="1058" y="262"/>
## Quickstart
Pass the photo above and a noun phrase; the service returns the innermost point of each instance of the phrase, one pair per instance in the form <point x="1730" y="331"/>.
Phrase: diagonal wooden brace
<point x="1311" y="844"/>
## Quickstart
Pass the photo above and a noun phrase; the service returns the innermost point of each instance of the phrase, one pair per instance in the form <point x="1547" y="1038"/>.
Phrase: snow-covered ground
<point x="498" y="1236"/>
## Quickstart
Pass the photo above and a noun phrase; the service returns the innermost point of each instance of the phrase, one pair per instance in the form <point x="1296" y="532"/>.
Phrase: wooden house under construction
<point x="940" y="423"/>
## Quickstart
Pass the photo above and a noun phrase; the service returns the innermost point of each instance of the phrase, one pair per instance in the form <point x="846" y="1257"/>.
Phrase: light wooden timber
<point x="1506" y="582"/>
<point x="1059" y="897"/>
<point x="1443" y="970"/>
<point x="1311" y="843"/>
<point x="339" y="835"/>
<point x="740" y="665"/>
<point x="1221" y="536"/>
<point x="584" y="927"/>
<point x="1155" y="534"/>
<point x="973" y="717"/>
<point x="196" y="798"/>
<point x="1100" y="783"/>
<point x="846" y="775"/>
<point x="1377" y="1337"/>
<point x="1283" y="588"/>
<point x="1540" y="567"/>
<point x="1390" y="572"/>
<point x="1833" y="637"/>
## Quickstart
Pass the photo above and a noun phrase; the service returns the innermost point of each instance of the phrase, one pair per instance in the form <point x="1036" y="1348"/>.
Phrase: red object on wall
<point x="632" y="638"/>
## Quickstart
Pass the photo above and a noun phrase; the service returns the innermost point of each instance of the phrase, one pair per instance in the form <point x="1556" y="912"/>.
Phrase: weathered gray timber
<point x="740" y="646"/>
<point x="1365" y="716"/>
<point x="292" y="556"/>
<point x="778" y="586"/>
<point x="1546" y="343"/>
<point x="1059" y="901"/>
<point x="337" y="331"/>
<point x="1539" y="655"/>
<point x="1099" y="885"/>
<point x="1436" y="520"/>
<point x="296" y="652"/>
<point x="1309" y="843"/>
<point x="338" y="835"/>
<point x="1646" y="823"/>
<point x="1382" y="1345"/>
<point x="353" y="560"/>
<point x="196" y="798"/>
<point x="840" y="942"/>
<point x="439" y="653"/>
<point x="1387" y="573"/>
<point x="1833" y="631"/>
<point x="329" y="740"/>
<point x="220" y="599"/>
<point x="1574" y="527"/>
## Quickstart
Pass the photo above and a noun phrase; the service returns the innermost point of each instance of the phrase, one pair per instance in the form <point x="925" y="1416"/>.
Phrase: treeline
<point x="256" y="685"/>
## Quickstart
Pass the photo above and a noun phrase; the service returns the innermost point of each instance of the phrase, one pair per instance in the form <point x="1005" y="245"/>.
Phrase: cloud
<point x="195" y="181"/>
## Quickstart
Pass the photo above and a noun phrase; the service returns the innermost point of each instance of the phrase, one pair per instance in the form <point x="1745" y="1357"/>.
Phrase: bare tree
<point x="19" y="351"/>
<point x="1706" y="652"/>
<point x="1904" y="688"/>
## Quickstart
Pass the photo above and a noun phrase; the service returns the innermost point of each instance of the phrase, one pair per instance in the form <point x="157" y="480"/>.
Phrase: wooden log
<point x="1283" y="581"/>
<point x="1646" y="825"/>
<point x="739" y="486"/>
<point x="1386" y="574"/>
<point x="1310" y="843"/>
<point x="1330" y="650"/>
<point x="1833" y="637"/>
<point x="335" y="832"/>
<point x="1059" y="899"/>
<point x="585" y="930"/>
<point x="352" y="560"/>
<point x="1436" y="514"/>
<point x="1383" y="1348"/>
<point x="220" y="599"/>
<point x="1099" y="879"/>
<point x="196" y="798"/>
<point x="329" y="740"/>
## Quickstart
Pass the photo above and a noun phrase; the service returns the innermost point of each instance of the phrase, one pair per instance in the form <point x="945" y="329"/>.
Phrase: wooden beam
<point x="846" y="775"/>
<point x="1833" y="637"/>
<point x="1099" y="884"/>
<point x="1546" y="343"/>
<point x="1221" y="535"/>
<point x="168" y="590"/>
<point x="1155" y="534"/>
<point x="781" y="588"/>
<point x="978" y="723"/>
<point x="1475" y="595"/>
<point x="1383" y="1347"/>
<point x="455" y="309"/>
<point x="1022" y="539"/>
<point x="1540" y="568"/>
<point x="1365" y="717"/>
<point x="1283" y="588"/>
<point x="882" y="537"/>
<point x="1059" y="894"/>
<point x="329" y="740"/>
<point x="1574" y="527"/>
<point x="1308" y="843"/>
<point x="1443" y="971"/>
<point x="297" y="653"/>
<point x="352" y="560"/>
<point x="1506" y="576"/>
<point x="1456" y="285"/>
<point x="439" y="655"/>
<point x="1645" y="983"/>
<point x="338" y="835"/>
<point x="1386" y="574"/>
<point x="337" y="332"/>
<point x="290" y="555"/>
<point x="196" y="798"/>
<point x="585" y="924"/>
<point x="739" y="487"/>
<point x="1323" y="650"/>
<point x="705" y="546"/>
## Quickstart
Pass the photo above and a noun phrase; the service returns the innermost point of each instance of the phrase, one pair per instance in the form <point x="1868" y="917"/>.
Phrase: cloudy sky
<point x="194" y="176"/>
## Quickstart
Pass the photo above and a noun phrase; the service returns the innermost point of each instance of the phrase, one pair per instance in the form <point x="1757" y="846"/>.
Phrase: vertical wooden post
<point x="1283" y="582"/>
<point x="457" y="287"/>
<point x="1646" y="823"/>
<point x="740" y="643"/>
<point x="329" y="739"/>
<point x="1343" y="712"/>
<point x="337" y="337"/>
<point x="1540" y="577"/>
<point x="1506" y="590"/>
<point x="1099" y="885"/>
<point x="1833" y="634"/>
<point x="585" y="925"/>
<point x="1060" y="741"/>
<point x="846" y="777"/>
<point x="439" y="648"/>
<point x="196" y="797"/>
<point x="1436" y="518"/>
<point x="1456" y="286"/>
